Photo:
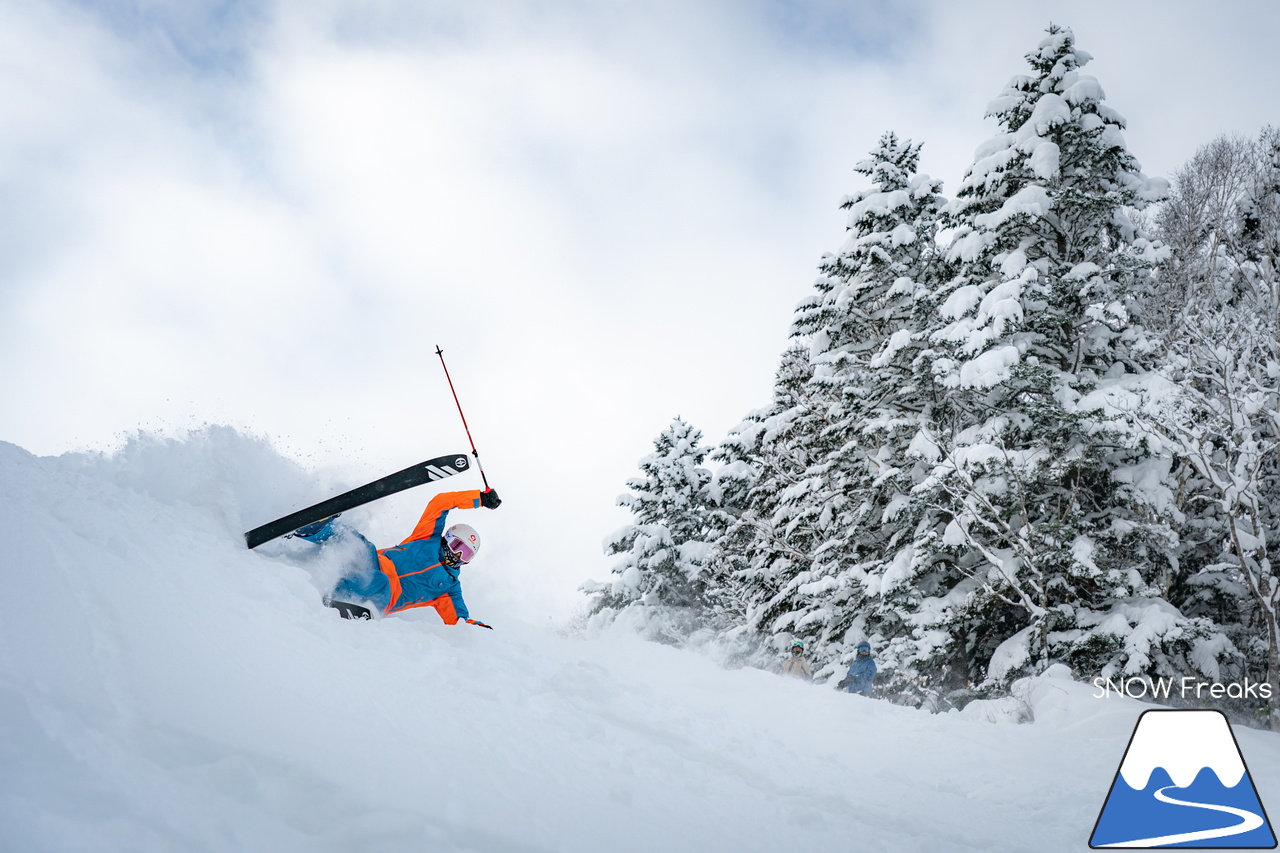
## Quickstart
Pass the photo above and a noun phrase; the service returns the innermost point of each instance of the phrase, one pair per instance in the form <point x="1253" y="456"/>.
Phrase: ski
<point x="349" y="610"/>
<point x="414" y="475"/>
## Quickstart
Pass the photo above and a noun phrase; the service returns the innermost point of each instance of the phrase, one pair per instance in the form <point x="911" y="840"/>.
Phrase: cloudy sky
<point x="268" y="214"/>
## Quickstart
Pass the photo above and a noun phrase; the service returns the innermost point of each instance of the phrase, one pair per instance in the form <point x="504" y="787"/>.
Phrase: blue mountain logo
<point x="1183" y="783"/>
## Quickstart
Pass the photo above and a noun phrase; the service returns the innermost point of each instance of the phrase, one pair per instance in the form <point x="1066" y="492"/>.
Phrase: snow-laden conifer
<point x="1056" y="502"/>
<point x="867" y="406"/>
<point x="665" y="584"/>
<point x="768" y="541"/>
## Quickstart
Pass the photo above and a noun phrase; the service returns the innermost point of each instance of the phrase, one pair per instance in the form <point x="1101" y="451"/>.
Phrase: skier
<point x="422" y="571"/>
<point x="862" y="672"/>
<point x="796" y="666"/>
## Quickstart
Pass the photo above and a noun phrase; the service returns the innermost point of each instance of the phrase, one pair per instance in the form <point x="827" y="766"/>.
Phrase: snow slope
<point x="164" y="689"/>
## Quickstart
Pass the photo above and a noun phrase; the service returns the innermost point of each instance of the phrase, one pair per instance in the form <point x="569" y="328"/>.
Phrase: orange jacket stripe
<point x="443" y="606"/>
<point x="389" y="569"/>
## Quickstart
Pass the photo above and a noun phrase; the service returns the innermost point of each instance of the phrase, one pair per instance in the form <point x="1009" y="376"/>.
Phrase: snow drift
<point x="164" y="689"/>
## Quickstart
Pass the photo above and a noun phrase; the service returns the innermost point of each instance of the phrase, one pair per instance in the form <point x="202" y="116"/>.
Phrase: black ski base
<point x="414" y="475"/>
<point x="349" y="610"/>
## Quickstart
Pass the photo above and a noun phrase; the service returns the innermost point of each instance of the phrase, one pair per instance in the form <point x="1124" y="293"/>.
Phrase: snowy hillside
<point x="164" y="689"/>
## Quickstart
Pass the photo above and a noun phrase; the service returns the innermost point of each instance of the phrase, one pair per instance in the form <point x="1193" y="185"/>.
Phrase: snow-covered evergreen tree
<point x="977" y="455"/>
<point x="1056" y="501"/>
<point x="666" y="583"/>
<point x="868" y="404"/>
<point x="768" y="545"/>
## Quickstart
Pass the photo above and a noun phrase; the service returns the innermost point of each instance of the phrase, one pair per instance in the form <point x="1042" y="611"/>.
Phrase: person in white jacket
<point x="795" y="665"/>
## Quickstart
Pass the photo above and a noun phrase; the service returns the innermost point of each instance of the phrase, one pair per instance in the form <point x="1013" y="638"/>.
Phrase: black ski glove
<point x="481" y="624"/>
<point x="489" y="499"/>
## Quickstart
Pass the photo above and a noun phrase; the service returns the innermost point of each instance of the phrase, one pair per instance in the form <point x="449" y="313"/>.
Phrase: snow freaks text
<point x="1142" y="687"/>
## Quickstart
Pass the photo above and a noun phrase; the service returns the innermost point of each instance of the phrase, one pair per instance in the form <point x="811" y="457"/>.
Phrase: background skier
<point x="862" y="672"/>
<point x="422" y="571"/>
<point x="795" y="665"/>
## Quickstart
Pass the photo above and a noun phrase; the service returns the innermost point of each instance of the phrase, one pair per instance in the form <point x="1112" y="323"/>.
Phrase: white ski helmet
<point x="462" y="541"/>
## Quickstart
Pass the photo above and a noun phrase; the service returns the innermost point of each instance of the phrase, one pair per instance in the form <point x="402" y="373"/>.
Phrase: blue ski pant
<point x="365" y="581"/>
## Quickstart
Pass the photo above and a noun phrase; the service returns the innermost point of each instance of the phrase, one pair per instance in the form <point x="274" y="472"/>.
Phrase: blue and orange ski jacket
<point x="414" y="573"/>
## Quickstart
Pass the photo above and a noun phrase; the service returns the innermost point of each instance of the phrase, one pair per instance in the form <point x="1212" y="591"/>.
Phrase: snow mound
<point x="164" y="689"/>
<point x="1052" y="698"/>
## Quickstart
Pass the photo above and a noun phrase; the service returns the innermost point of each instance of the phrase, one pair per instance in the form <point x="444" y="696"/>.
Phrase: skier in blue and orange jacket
<point x="422" y="571"/>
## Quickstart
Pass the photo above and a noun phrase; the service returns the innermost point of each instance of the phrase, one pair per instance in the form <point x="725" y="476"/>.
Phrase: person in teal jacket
<point x="862" y="672"/>
<point x="422" y="571"/>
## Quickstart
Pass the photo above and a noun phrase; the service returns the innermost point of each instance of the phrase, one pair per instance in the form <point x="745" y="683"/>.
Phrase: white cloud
<point x="603" y="212"/>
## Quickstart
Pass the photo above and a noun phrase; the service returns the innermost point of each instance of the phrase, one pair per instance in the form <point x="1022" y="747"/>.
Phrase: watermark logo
<point x="1141" y="687"/>
<point x="1183" y="783"/>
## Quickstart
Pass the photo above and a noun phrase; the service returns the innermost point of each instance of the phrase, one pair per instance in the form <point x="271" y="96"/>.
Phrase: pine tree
<point x="868" y="409"/>
<point x="767" y="545"/>
<point x="1055" y="500"/>
<point x="666" y="583"/>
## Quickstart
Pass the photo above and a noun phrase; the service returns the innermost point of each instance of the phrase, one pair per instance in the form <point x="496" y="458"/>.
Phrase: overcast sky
<point x="268" y="214"/>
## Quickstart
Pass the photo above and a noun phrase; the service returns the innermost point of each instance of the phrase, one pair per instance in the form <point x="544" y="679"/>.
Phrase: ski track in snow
<point x="164" y="689"/>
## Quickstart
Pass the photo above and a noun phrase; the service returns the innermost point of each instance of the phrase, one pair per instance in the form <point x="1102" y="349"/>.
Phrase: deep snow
<point x="164" y="689"/>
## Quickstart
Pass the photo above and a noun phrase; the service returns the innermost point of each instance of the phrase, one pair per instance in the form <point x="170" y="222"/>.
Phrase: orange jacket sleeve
<point x="432" y="522"/>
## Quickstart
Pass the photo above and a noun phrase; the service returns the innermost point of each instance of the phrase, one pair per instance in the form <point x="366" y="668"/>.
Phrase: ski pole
<point x="474" y="453"/>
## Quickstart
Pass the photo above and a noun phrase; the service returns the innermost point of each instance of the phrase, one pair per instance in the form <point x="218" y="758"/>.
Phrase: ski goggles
<point x="462" y="549"/>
